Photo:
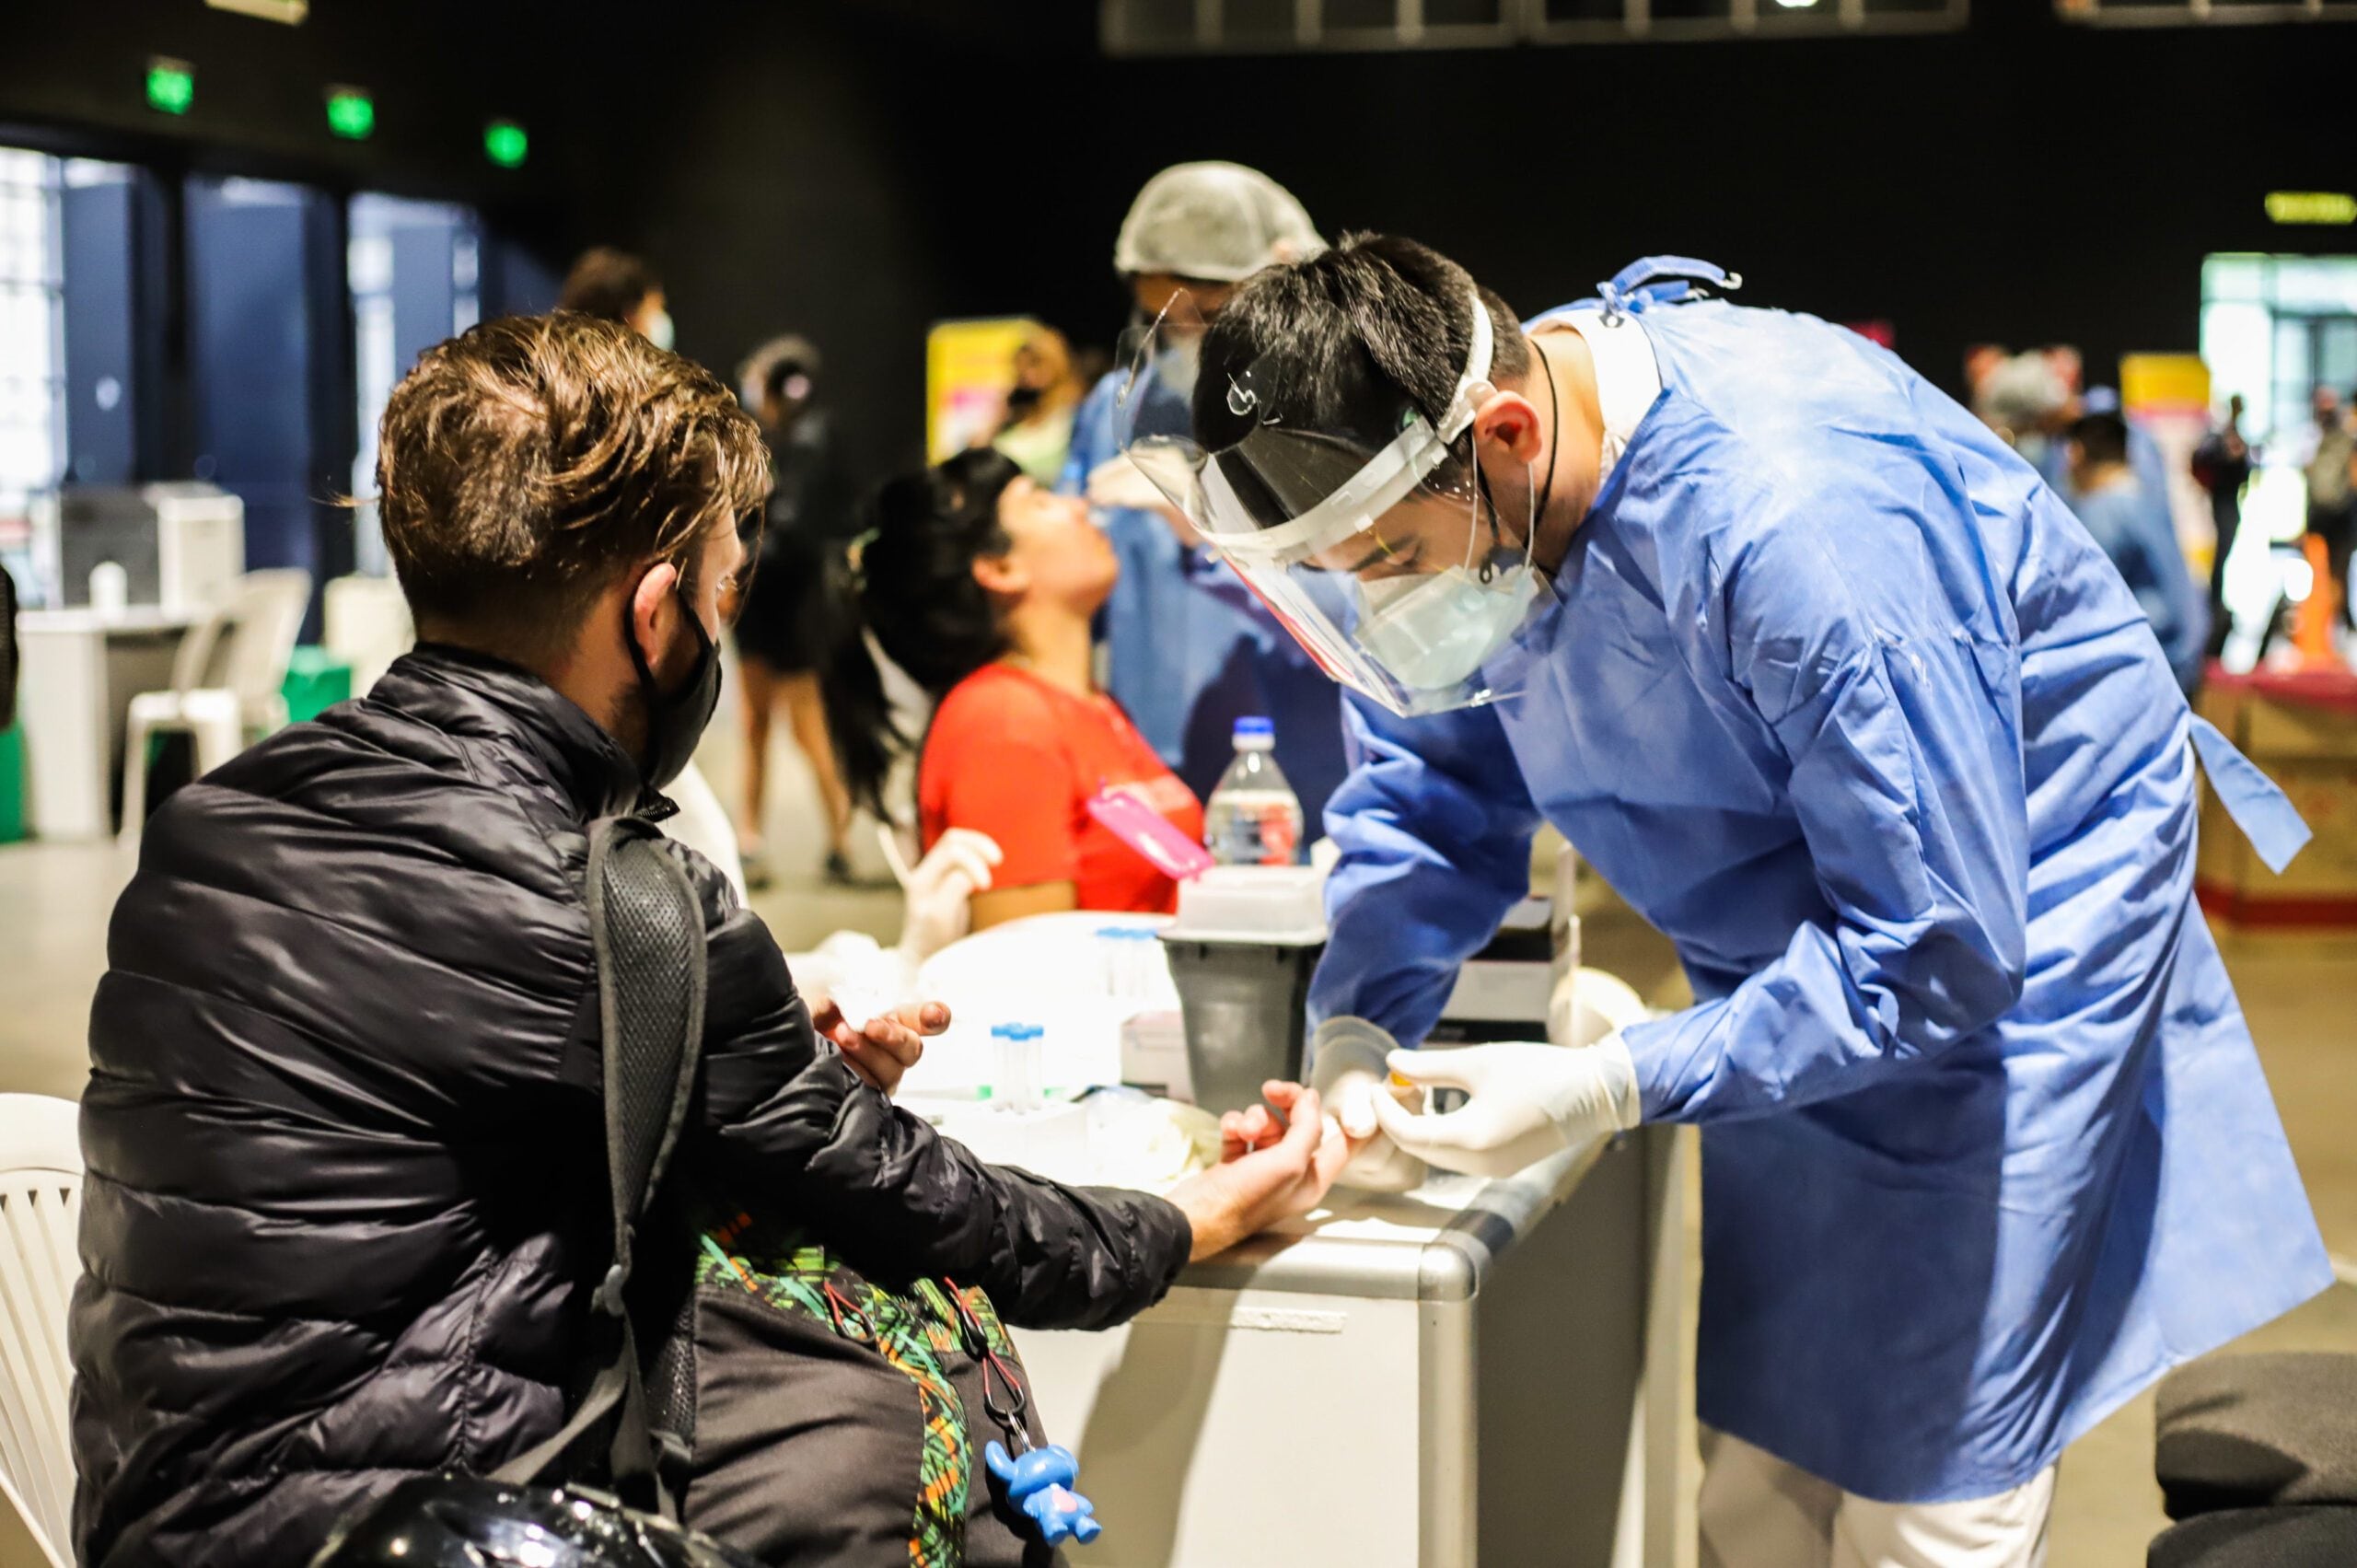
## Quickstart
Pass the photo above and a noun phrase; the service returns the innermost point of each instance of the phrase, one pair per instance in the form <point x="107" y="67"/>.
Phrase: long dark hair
<point x="914" y="587"/>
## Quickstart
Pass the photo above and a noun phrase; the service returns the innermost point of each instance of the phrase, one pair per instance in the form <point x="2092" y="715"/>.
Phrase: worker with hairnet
<point x="1190" y="651"/>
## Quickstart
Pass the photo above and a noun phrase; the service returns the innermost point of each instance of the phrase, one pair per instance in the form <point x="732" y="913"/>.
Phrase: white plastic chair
<point x="253" y="638"/>
<point x="41" y="1208"/>
<point x="365" y="622"/>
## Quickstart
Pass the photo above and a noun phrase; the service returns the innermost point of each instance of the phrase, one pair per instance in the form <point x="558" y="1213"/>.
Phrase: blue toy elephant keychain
<point x="1040" y="1481"/>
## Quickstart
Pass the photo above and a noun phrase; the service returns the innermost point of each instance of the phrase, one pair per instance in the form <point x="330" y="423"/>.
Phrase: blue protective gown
<point x="1841" y="698"/>
<point x="1190" y="650"/>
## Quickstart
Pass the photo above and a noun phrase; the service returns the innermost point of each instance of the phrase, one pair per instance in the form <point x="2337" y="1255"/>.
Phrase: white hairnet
<point x="2023" y="391"/>
<point x="1218" y="222"/>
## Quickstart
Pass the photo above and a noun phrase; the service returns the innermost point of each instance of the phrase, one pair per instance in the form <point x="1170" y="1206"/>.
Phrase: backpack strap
<point x="646" y="929"/>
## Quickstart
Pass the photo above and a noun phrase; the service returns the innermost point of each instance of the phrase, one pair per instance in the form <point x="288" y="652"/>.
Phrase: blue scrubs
<point x="1847" y="704"/>
<point x="2135" y="530"/>
<point x="1190" y="650"/>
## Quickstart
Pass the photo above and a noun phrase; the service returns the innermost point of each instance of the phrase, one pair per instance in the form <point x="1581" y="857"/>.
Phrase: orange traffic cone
<point x="2311" y="628"/>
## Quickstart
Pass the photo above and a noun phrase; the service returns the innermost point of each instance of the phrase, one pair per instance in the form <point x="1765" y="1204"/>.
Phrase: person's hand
<point x="1350" y="1067"/>
<point x="1526" y="1102"/>
<point x="882" y="1049"/>
<point x="1118" y="482"/>
<point x="940" y="892"/>
<point x="1265" y="1175"/>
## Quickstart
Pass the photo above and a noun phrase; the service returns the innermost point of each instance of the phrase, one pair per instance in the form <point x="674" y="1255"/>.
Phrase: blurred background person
<point x="1038" y="430"/>
<point x="981" y="585"/>
<point x="1189" y="649"/>
<point x="786" y="623"/>
<point x="2145" y="459"/>
<point x="2143" y="453"/>
<point x="2026" y="399"/>
<point x="2332" y="488"/>
<point x="617" y="287"/>
<point x="2221" y="466"/>
<point x="2132" y="525"/>
<point x="2033" y="399"/>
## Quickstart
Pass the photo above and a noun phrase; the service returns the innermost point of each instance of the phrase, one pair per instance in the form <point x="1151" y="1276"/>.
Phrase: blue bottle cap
<point x="1255" y="729"/>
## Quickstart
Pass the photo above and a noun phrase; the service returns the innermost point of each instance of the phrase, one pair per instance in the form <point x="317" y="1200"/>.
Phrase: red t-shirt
<point x="1014" y="757"/>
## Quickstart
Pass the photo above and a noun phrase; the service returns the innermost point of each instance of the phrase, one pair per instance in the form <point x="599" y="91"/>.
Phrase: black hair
<point x="914" y="588"/>
<point x="608" y="284"/>
<point x="1339" y="338"/>
<point x="2102" y="437"/>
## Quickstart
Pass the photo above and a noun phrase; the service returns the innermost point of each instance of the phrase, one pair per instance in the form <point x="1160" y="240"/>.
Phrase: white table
<point x="81" y="670"/>
<point x="1478" y="1373"/>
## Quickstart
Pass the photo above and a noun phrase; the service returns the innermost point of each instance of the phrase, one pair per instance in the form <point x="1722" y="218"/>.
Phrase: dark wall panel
<point x="99" y="227"/>
<point x="2024" y="182"/>
<point x="269" y="365"/>
<point x="855" y="171"/>
<point x="795" y="187"/>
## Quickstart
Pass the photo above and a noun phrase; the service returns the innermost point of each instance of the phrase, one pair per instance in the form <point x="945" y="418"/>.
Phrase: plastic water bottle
<point x="1253" y="818"/>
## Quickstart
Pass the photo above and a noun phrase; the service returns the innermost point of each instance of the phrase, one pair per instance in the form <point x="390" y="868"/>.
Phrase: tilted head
<point x="1365" y="444"/>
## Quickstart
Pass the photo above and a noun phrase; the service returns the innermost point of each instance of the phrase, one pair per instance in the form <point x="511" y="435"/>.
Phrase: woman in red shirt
<point x="982" y="586"/>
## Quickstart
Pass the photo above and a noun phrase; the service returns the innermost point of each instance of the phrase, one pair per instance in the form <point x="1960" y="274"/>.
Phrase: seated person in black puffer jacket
<point x="346" y="1198"/>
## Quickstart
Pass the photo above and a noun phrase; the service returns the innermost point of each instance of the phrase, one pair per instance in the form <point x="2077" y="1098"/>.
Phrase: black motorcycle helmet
<point x="450" y="1521"/>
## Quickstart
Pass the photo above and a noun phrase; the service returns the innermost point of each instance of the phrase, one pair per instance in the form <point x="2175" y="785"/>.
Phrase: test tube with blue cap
<point x="1132" y="956"/>
<point x="1015" y="1084"/>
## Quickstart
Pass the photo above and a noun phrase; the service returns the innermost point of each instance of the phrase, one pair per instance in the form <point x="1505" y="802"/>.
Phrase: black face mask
<point x="675" y="720"/>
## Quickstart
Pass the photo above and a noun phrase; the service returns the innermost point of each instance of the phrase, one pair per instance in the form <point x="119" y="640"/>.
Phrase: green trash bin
<point x="12" y="784"/>
<point x="315" y="681"/>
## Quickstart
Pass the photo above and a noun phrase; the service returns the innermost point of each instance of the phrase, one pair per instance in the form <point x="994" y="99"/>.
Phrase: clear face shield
<point x="1375" y="546"/>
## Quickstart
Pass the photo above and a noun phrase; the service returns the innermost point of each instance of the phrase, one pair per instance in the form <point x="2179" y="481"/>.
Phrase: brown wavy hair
<point x="526" y="463"/>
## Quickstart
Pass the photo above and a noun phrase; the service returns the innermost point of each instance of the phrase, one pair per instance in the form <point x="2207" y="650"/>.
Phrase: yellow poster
<point x="969" y="365"/>
<point x="2168" y="395"/>
<point x="2165" y="383"/>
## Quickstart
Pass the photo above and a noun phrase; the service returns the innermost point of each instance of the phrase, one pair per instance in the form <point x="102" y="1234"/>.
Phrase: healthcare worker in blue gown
<point x="1189" y="649"/>
<point x="1822" y="678"/>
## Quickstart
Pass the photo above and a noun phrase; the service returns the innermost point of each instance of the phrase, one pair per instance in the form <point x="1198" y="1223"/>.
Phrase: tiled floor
<point x="54" y="900"/>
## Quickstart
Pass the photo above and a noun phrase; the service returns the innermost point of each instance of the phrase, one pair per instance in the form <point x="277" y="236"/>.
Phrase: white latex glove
<point x="1119" y="481"/>
<point x="940" y="892"/>
<point x="1348" y="1069"/>
<point x="1526" y="1102"/>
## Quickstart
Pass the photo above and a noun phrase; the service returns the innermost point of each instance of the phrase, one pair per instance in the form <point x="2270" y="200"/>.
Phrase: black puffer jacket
<point x="346" y="1195"/>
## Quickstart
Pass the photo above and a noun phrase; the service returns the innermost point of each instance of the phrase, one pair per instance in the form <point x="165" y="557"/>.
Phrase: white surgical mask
<point x="658" y="330"/>
<point x="1176" y="364"/>
<point x="1434" y="631"/>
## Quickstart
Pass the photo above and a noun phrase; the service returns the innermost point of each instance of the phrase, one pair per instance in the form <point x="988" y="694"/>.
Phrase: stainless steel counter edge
<point x="1447" y="1266"/>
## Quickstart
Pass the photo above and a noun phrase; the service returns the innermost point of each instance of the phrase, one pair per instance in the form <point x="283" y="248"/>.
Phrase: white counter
<point x="1459" y="1376"/>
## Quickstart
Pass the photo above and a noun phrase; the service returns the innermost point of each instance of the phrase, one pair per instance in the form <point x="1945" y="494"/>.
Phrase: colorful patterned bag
<point x="835" y="1420"/>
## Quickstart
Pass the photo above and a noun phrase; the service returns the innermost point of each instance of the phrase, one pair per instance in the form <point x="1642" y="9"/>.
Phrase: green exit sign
<point x="171" y="84"/>
<point x="504" y="144"/>
<point x="352" y="114"/>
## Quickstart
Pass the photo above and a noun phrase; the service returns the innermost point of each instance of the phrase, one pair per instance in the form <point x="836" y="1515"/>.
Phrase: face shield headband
<point x="1382" y="554"/>
<point x="1388" y="478"/>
